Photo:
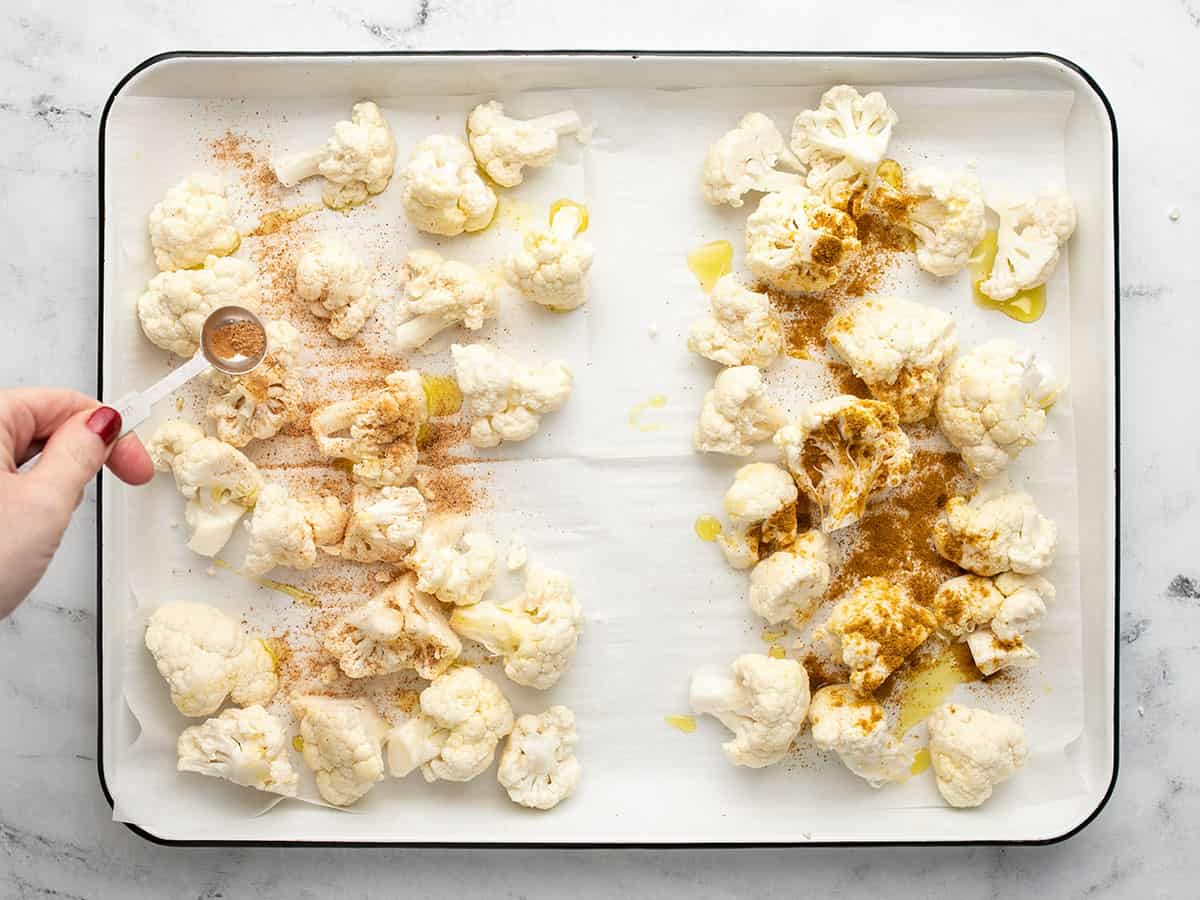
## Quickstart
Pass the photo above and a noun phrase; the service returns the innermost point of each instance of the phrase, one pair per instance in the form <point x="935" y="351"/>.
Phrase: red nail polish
<point x="106" y="422"/>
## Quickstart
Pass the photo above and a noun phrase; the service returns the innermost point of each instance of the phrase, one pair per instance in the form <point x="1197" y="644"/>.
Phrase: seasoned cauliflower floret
<point x="504" y="146"/>
<point x="455" y="565"/>
<point x="399" y="628"/>
<point x="536" y="631"/>
<point x="551" y="265"/>
<point x="1001" y="645"/>
<point x="376" y="432"/>
<point x="343" y="745"/>
<point x="191" y="223"/>
<point x="246" y="746"/>
<point x="175" y="304"/>
<point x="205" y="656"/>
<point x="841" y="452"/>
<point x="442" y="190"/>
<point x="356" y="161"/>
<point x="744" y="160"/>
<point x="761" y="506"/>
<point x="789" y="583"/>
<point x="737" y="413"/>
<point x="743" y="330"/>
<point x="286" y="531"/>
<point x="993" y="403"/>
<point x="1032" y="230"/>
<point x="995" y="532"/>
<point x="439" y="294"/>
<point x="762" y="700"/>
<point x="505" y="398"/>
<point x="259" y="403"/>
<point x="972" y="751"/>
<point x="964" y="604"/>
<point x="856" y="729"/>
<point x="947" y="216"/>
<point x="797" y="243"/>
<point x="384" y="524"/>
<point x="898" y="348"/>
<point x="337" y="286"/>
<point x="454" y="737"/>
<point x="538" y="766"/>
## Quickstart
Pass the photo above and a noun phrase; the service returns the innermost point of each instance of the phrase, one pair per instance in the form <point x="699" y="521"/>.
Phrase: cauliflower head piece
<point x="737" y="413"/>
<point x="1001" y="644"/>
<point x="175" y="304"/>
<point x="744" y="159"/>
<point x="384" y="524"/>
<point x="264" y="400"/>
<point x="996" y="531"/>
<point x="246" y="746"/>
<point x="964" y="604"/>
<point x="343" y="745"/>
<point x="506" y="398"/>
<point x="761" y="506"/>
<point x="789" y="583"/>
<point x="442" y="190"/>
<point x="455" y="565"/>
<point x="538" y="766"/>
<point x="287" y="531"/>
<point x="743" y="329"/>
<point x="947" y="216"/>
<point x="439" y="294"/>
<point x="205" y="656"/>
<point x="504" y="146"/>
<point x="973" y="751"/>
<point x="191" y="223"/>
<point x="1032" y="231"/>
<point x="551" y="265"/>
<point x="797" y="243"/>
<point x="337" y="286"/>
<point x="855" y="727"/>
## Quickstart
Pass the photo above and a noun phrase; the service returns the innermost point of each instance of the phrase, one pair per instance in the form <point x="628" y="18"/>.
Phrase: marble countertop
<point x="57" y="67"/>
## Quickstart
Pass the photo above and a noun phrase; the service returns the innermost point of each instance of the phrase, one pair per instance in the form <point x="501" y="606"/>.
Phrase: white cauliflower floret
<point x="744" y="160"/>
<point x="170" y="440"/>
<point x="898" y="348"/>
<point x="789" y="583"/>
<point x="454" y="737"/>
<point x="337" y="286"/>
<point x="376" y="432"/>
<point x="503" y="146"/>
<point x="505" y="398"/>
<point x="455" y="565"/>
<point x="842" y="451"/>
<point x="761" y="506"/>
<point x="356" y="161"/>
<point x="743" y="330"/>
<point x="342" y="744"/>
<point x="439" y="294"/>
<point x="191" y="223"/>
<point x="872" y="630"/>
<point x="797" y="243"/>
<point x="947" y="216"/>
<point x="551" y="265"/>
<point x="855" y="728"/>
<point x="737" y="413"/>
<point x="442" y="190"/>
<point x="964" y="604"/>
<point x="205" y="656"/>
<point x="993" y="403"/>
<point x="384" y="524"/>
<point x="399" y="628"/>
<point x="518" y="554"/>
<point x="175" y="304"/>
<point x="1032" y="230"/>
<point x="259" y="403"/>
<point x="972" y="751"/>
<point x="245" y="746"/>
<point x="538" y="766"/>
<point x="1001" y="645"/>
<point x="286" y="531"/>
<point x="762" y="700"/>
<point x="536" y="631"/>
<point x="996" y="532"/>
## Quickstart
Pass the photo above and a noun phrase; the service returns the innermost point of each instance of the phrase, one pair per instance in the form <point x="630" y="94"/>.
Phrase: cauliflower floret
<point x="454" y="737"/>
<point x="191" y="223"/>
<point x="762" y="700"/>
<point x="743" y="330"/>
<point x="947" y="216"/>
<point x="384" y="524"/>
<point x="246" y="746"/>
<point x="972" y="751"/>
<point x="873" y="629"/>
<point x="356" y="161"/>
<point x="175" y="304"/>
<point x="439" y="294"/>
<point x="505" y="398"/>
<point x="789" y="583"/>
<point x="205" y="656"/>
<point x="737" y="413"/>
<point x="964" y="604"/>
<point x="399" y="628"/>
<point x="170" y="440"/>
<point x="1031" y="232"/>
<point x="343" y="745"/>
<point x="797" y="243"/>
<point x="1001" y="645"/>
<point x="286" y="531"/>
<point x="551" y="265"/>
<point x="993" y="404"/>
<point x="377" y="432"/>
<point x="337" y="286"/>
<point x="744" y="160"/>
<point x="538" y="766"/>
<point x="536" y="632"/>
<point x="504" y="146"/>
<point x="761" y="506"/>
<point x="518" y="554"/>
<point x="843" y="450"/>
<point x="996" y="532"/>
<point x="855" y="728"/>
<point x="455" y="565"/>
<point x="259" y="403"/>
<point x="898" y="348"/>
<point x="442" y="190"/>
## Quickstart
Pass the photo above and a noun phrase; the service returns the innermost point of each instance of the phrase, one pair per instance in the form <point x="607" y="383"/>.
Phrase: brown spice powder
<point x="236" y="339"/>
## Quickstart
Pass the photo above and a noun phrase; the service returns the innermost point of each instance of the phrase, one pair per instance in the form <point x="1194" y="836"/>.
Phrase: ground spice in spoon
<point x="237" y="339"/>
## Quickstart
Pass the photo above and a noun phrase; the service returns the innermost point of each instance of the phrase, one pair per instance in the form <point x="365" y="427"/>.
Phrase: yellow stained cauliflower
<point x="538" y="766"/>
<point x="248" y="747"/>
<point x="797" y="243"/>
<point x="855" y="727"/>
<point x="343" y="745"/>
<point x="973" y="751"/>
<point x="788" y="584"/>
<point x="503" y="146"/>
<point x="964" y="604"/>
<point x="743" y="330"/>
<point x="337" y="286"/>
<point x="551" y="265"/>
<point x="737" y="413"/>
<point x="174" y="305"/>
<point x="191" y="223"/>
<point x="761" y="506"/>
<point x="1001" y="643"/>
<point x="442" y="190"/>
<point x="995" y="531"/>
<point x="261" y="402"/>
<point x="439" y="294"/>
<point x="287" y="531"/>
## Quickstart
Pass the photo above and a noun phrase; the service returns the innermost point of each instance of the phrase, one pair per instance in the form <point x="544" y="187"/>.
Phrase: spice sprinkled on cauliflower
<point x="538" y="766"/>
<point x="855" y="728"/>
<point x="797" y="243"/>
<point x="789" y="583"/>
<point x="442" y="190"/>
<point x="505" y="398"/>
<point x="972" y="751"/>
<point x="551" y="265"/>
<point x="174" y="305"/>
<point x="1001" y="644"/>
<point x="744" y="160"/>
<point x="384" y="524"/>
<point x="995" y="532"/>
<point x="947" y="216"/>
<point x="259" y="403"/>
<point x="737" y="413"/>
<point x="337" y="285"/>
<point x="455" y="565"/>
<point x="191" y="223"/>
<point x="246" y="746"/>
<point x="761" y="506"/>
<point x="743" y="330"/>
<point x="503" y="146"/>
<point x="1032" y="230"/>
<point x="286" y="531"/>
<point x="439" y="294"/>
<point x="343" y="745"/>
<point x="964" y="604"/>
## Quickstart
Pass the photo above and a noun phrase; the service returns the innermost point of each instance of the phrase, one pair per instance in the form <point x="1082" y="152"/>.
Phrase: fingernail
<point x="106" y="422"/>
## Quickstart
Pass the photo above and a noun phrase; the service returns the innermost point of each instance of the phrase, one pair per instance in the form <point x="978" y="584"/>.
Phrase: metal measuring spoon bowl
<point x="233" y="340"/>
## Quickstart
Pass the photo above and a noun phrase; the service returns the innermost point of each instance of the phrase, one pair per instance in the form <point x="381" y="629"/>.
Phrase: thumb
<point x="76" y="451"/>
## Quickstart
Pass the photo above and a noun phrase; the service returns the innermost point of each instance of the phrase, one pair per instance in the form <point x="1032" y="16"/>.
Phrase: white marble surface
<point x="57" y="64"/>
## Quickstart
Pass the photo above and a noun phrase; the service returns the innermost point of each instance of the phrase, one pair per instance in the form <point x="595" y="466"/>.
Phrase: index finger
<point x="33" y="414"/>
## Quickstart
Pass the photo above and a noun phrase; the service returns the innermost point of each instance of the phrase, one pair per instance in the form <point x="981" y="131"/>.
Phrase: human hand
<point x="36" y="506"/>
